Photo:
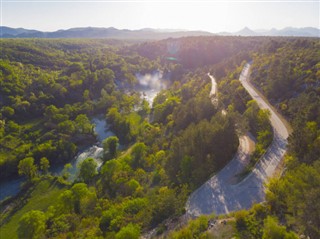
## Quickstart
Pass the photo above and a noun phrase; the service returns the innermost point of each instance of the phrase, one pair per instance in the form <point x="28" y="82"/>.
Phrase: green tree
<point x="50" y="112"/>
<point x="164" y="204"/>
<point x="88" y="169"/>
<point x="28" y="168"/>
<point x="138" y="154"/>
<point x="32" y="225"/>
<point x="130" y="231"/>
<point x="272" y="230"/>
<point x="296" y="195"/>
<point x="252" y="115"/>
<point x="86" y="95"/>
<point x="66" y="201"/>
<point x="106" y="218"/>
<point x="12" y="127"/>
<point x="44" y="165"/>
<point x="110" y="146"/>
<point x="145" y="108"/>
<point x="60" y="224"/>
<point x="7" y="111"/>
<point x="74" y="67"/>
<point x="66" y="172"/>
<point x="113" y="173"/>
<point x="195" y="229"/>
<point x="83" y="124"/>
<point x="241" y="217"/>
<point x="114" y="117"/>
<point x="133" y="185"/>
<point x="67" y="127"/>
<point x="84" y="199"/>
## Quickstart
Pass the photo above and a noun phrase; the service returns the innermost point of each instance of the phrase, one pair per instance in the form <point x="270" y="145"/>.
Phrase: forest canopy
<point x="51" y="89"/>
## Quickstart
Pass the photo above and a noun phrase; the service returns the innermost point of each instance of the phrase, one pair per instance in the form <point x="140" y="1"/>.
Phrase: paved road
<point x="218" y="194"/>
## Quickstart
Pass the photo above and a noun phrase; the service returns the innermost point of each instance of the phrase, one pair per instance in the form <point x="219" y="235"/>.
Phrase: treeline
<point x="194" y="52"/>
<point x="252" y="224"/>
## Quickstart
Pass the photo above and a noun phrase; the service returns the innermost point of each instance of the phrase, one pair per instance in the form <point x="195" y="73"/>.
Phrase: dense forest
<point x="288" y="73"/>
<point x="51" y="89"/>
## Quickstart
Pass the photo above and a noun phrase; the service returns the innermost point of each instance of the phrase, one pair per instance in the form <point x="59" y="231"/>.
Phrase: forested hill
<point x="149" y="33"/>
<point x="288" y="73"/>
<point x="50" y="89"/>
<point x="95" y="32"/>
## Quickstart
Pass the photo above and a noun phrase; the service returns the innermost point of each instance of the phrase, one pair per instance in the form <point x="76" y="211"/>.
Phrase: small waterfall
<point x="94" y="152"/>
<point x="11" y="187"/>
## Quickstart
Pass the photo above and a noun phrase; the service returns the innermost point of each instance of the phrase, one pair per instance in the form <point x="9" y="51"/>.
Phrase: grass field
<point x="44" y="194"/>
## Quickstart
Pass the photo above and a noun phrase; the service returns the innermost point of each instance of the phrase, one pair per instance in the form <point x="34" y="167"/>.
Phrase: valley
<point x="114" y="139"/>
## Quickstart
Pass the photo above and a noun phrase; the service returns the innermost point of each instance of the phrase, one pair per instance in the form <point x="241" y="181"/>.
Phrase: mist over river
<point x="150" y="84"/>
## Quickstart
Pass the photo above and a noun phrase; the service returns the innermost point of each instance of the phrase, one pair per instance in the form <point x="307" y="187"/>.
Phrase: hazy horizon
<point x="162" y="29"/>
<point x="211" y="16"/>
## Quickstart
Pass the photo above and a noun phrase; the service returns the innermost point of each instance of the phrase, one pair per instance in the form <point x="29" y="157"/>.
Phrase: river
<point x="11" y="187"/>
<point x="149" y="86"/>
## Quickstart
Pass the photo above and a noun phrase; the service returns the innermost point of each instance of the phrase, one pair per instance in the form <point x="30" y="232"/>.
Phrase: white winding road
<point x="218" y="195"/>
<point x="214" y="90"/>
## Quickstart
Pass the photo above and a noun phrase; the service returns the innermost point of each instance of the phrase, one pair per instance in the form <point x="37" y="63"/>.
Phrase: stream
<point x="11" y="187"/>
<point x="149" y="86"/>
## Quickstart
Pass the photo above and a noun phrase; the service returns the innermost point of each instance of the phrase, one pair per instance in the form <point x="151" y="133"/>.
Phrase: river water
<point x="11" y="187"/>
<point x="149" y="86"/>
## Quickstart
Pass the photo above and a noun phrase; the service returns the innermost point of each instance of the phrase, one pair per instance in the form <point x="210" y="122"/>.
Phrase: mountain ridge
<point x="287" y="31"/>
<point x="99" y="32"/>
<point x="148" y="33"/>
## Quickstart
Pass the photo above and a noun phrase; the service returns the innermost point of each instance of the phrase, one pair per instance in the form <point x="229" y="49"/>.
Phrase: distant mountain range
<point x="147" y="33"/>
<point x="288" y="31"/>
<point x="95" y="32"/>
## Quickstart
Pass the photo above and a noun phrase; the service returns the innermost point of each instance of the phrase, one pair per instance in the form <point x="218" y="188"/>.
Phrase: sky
<point x="212" y="16"/>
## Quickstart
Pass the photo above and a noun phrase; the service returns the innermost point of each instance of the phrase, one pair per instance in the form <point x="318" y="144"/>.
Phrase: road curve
<point x="214" y="90"/>
<point x="218" y="195"/>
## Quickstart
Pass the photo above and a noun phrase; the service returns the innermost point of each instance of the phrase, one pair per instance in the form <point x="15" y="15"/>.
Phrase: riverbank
<point x="12" y="186"/>
<point x="38" y="197"/>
